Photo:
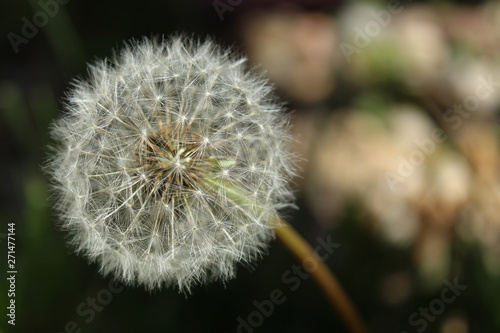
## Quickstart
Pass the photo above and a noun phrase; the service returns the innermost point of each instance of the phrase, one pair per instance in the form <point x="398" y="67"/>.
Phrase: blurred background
<point x="395" y="114"/>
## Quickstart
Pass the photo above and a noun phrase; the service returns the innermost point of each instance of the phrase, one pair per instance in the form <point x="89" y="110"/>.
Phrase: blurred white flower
<point x="297" y="50"/>
<point x="171" y="163"/>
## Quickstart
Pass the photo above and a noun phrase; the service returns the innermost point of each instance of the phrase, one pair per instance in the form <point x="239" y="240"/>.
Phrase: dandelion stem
<point x="302" y="251"/>
<point x="323" y="276"/>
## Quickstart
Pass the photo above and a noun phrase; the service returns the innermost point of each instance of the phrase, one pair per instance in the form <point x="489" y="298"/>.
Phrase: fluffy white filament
<point x="171" y="163"/>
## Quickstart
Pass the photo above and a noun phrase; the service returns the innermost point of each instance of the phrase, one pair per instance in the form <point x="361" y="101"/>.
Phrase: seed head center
<point x="170" y="166"/>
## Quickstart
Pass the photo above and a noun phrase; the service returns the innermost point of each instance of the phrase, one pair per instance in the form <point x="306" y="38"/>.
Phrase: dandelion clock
<point x="170" y="165"/>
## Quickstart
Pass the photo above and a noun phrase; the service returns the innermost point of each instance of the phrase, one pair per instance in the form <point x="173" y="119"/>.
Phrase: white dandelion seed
<point x="164" y="172"/>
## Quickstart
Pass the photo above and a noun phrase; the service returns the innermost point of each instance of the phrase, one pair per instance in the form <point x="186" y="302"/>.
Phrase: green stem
<point x="323" y="276"/>
<point x="302" y="251"/>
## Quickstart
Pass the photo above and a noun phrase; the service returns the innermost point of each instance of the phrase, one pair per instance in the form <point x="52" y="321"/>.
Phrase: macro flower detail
<point x="170" y="163"/>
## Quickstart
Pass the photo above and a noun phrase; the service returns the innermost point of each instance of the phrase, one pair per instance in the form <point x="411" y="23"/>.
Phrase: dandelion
<point x="171" y="164"/>
<point x="170" y="167"/>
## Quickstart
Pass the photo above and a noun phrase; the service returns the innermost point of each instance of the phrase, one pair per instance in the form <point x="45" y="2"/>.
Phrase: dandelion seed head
<point x="164" y="172"/>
